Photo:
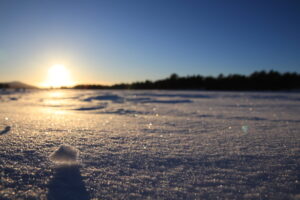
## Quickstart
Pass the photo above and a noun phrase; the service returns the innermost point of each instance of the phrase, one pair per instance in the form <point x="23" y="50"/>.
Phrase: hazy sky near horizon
<point x="111" y="41"/>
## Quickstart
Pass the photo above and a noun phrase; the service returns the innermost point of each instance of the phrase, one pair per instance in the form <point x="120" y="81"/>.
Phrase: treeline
<point x="3" y="85"/>
<point x="261" y="80"/>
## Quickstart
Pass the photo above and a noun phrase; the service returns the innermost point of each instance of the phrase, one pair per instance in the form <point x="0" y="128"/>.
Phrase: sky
<point x="113" y="41"/>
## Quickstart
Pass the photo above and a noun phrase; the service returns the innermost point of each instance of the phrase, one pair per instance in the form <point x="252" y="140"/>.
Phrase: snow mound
<point x="65" y="154"/>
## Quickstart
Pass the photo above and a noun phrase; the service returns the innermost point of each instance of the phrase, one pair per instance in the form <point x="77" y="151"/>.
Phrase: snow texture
<point x="149" y="145"/>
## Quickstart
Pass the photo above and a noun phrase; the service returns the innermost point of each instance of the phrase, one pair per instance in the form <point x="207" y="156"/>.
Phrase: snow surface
<point x="149" y="145"/>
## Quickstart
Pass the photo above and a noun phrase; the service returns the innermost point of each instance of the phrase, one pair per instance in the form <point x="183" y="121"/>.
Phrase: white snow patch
<point x="65" y="154"/>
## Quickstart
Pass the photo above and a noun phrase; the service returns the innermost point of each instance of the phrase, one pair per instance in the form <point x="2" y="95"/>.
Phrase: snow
<point x="149" y="144"/>
<point x="65" y="154"/>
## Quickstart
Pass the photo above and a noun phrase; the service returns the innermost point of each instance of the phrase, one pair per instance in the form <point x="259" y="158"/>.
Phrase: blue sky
<point x="122" y="41"/>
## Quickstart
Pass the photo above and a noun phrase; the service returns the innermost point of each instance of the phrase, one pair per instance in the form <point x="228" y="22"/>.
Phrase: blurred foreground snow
<point x="149" y="144"/>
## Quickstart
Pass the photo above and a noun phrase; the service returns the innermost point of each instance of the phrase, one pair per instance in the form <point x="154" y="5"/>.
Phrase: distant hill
<point x="16" y="85"/>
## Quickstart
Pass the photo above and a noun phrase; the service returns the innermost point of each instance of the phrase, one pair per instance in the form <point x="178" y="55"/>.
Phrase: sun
<point x="58" y="76"/>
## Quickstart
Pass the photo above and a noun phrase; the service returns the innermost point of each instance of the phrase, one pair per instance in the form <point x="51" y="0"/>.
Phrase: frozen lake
<point x="97" y="144"/>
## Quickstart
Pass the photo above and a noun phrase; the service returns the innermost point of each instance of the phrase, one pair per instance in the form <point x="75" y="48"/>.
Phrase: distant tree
<point x="259" y="80"/>
<point x="174" y="76"/>
<point x="4" y="85"/>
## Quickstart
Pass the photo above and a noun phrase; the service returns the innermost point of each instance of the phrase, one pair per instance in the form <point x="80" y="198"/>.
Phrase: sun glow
<point x="58" y="76"/>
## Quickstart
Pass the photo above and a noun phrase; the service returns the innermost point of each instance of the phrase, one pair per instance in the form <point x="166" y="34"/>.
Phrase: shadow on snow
<point x="5" y="130"/>
<point x="67" y="184"/>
